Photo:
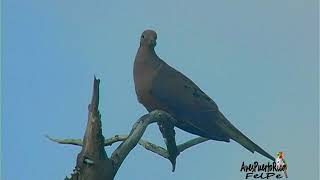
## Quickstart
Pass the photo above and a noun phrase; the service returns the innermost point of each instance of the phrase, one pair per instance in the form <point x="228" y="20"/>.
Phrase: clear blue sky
<point x="257" y="59"/>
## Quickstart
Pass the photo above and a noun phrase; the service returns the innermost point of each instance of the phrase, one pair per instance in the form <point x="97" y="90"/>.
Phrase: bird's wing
<point x="183" y="99"/>
<point x="198" y="112"/>
<point x="169" y="80"/>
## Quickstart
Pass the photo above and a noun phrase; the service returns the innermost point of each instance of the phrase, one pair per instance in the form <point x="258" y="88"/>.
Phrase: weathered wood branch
<point x="135" y="135"/>
<point x="94" y="164"/>
<point x="167" y="130"/>
<point x="144" y="143"/>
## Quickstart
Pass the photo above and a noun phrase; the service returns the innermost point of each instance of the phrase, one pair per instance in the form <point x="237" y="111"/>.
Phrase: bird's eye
<point x="142" y="36"/>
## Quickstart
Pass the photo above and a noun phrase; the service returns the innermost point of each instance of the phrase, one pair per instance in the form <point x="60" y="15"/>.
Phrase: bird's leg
<point x="168" y="133"/>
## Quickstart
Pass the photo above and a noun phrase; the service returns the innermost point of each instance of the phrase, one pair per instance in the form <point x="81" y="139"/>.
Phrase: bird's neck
<point x="147" y="56"/>
<point x="145" y="65"/>
<point x="146" y="50"/>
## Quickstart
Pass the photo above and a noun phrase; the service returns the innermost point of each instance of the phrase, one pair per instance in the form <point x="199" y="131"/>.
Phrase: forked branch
<point x="94" y="164"/>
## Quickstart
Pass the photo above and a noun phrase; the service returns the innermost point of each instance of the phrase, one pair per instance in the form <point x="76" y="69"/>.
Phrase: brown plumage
<point x="159" y="86"/>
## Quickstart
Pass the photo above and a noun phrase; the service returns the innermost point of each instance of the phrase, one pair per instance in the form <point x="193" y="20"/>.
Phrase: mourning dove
<point x="159" y="86"/>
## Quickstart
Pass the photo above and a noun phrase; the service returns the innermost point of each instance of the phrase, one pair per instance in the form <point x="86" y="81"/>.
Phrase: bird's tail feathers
<point x="239" y="137"/>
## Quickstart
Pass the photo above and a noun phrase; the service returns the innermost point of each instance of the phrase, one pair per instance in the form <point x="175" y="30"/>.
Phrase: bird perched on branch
<point x="159" y="86"/>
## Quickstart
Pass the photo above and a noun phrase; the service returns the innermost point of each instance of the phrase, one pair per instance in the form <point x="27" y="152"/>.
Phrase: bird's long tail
<point x="239" y="137"/>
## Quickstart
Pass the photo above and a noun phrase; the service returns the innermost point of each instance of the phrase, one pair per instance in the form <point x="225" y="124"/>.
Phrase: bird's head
<point x="148" y="38"/>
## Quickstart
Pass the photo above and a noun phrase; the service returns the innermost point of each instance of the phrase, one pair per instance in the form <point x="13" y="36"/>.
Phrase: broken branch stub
<point x="93" y="162"/>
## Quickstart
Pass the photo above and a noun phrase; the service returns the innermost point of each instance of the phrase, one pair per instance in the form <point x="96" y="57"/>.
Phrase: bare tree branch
<point x="191" y="143"/>
<point x="77" y="142"/>
<point x="144" y="143"/>
<point x="93" y="162"/>
<point x="168" y="133"/>
<point x="135" y="135"/>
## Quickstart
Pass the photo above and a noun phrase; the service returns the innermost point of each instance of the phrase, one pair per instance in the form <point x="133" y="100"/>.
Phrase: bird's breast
<point x="143" y="76"/>
<point x="145" y="97"/>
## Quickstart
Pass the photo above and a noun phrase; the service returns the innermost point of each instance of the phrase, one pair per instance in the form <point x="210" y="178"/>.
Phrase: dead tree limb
<point x="94" y="164"/>
<point x="144" y="143"/>
<point x="135" y="135"/>
<point x="167" y="130"/>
